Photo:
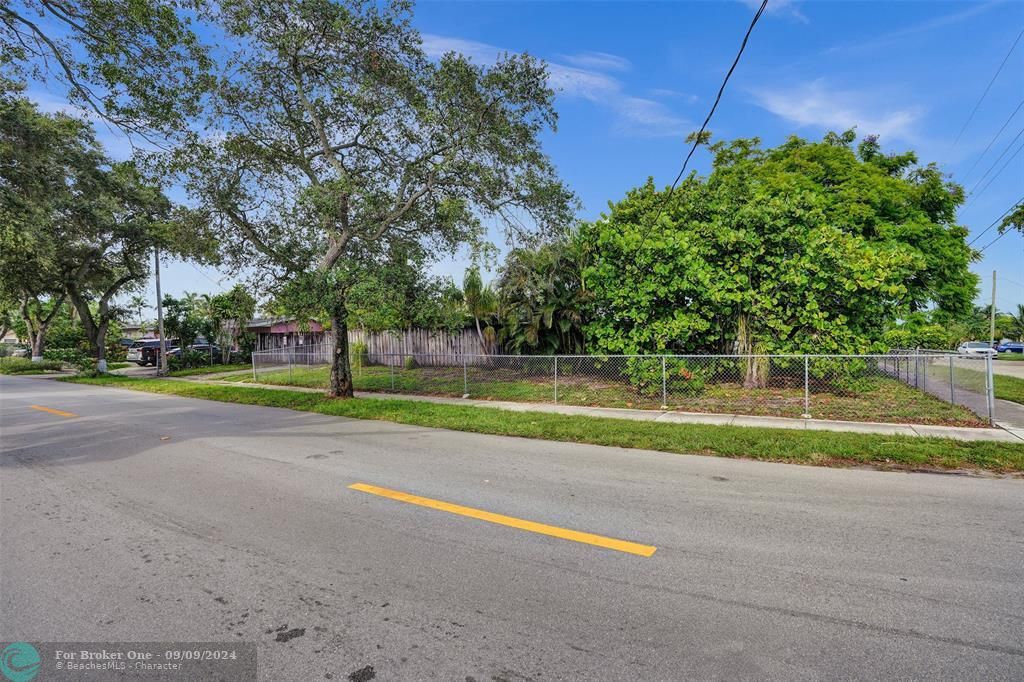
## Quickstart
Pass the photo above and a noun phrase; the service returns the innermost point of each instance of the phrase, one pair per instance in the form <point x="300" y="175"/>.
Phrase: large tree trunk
<point x="95" y="332"/>
<point x="101" y="348"/>
<point x="37" y="336"/>
<point x="341" y="372"/>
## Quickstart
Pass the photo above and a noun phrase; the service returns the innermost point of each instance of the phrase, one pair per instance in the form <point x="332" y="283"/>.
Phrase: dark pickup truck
<point x="146" y="352"/>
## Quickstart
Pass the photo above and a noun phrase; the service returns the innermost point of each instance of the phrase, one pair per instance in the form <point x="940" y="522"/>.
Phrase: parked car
<point x="1011" y="347"/>
<point x="975" y="348"/>
<point x="144" y="353"/>
<point x="203" y="348"/>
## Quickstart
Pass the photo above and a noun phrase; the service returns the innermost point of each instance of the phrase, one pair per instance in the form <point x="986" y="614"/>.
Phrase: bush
<point x="360" y="354"/>
<point x="72" y="356"/>
<point x="681" y="376"/>
<point x="843" y="376"/>
<point x="116" y="352"/>
<point x="410" y="362"/>
<point x="26" y="366"/>
<point x="188" y="359"/>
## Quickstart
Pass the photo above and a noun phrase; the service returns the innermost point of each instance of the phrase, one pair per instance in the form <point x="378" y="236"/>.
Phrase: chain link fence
<point x="902" y="386"/>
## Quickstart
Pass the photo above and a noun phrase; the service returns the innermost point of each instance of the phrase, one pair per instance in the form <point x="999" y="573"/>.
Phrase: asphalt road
<point x="152" y="518"/>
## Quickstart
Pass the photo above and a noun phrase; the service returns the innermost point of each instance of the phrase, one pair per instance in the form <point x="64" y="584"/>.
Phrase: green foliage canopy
<point x="333" y="138"/>
<point x="806" y="247"/>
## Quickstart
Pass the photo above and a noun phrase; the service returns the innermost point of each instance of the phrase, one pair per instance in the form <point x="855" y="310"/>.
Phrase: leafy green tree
<point x="398" y="293"/>
<point x="107" y="250"/>
<point x="229" y="313"/>
<point x="806" y="247"/>
<point x="43" y="160"/>
<point x="543" y="299"/>
<point x="1014" y="221"/>
<point x="182" y="319"/>
<point x="128" y="61"/>
<point x="337" y="139"/>
<point x="7" y="317"/>
<point x="78" y="225"/>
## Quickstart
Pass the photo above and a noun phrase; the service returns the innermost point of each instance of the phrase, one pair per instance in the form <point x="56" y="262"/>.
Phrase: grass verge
<point x="26" y="366"/>
<point x="779" y="445"/>
<point x="211" y="369"/>
<point x="1005" y="388"/>
<point x="882" y="400"/>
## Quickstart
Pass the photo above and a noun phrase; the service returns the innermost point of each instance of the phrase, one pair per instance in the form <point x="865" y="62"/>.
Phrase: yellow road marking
<point x="53" y="411"/>
<point x="544" y="529"/>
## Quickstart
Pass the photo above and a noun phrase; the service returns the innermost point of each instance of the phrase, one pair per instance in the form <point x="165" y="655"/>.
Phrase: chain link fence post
<point x="807" y="387"/>
<point x="556" y="380"/>
<point x="465" y="376"/>
<point x="253" y="358"/>
<point x="952" y="391"/>
<point x="290" y="353"/>
<point x="990" y="389"/>
<point x="391" y="364"/>
<point x="664" y="385"/>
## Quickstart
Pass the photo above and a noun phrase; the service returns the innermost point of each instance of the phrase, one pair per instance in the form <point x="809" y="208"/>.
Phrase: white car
<point x="976" y="348"/>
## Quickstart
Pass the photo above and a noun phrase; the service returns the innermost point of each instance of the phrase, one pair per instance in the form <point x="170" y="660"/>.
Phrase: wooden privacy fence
<point x="428" y="347"/>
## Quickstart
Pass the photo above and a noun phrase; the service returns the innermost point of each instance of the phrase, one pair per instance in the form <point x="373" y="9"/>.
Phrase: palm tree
<point x="544" y="299"/>
<point x="1018" y="320"/>
<point x="482" y="304"/>
<point x="137" y="303"/>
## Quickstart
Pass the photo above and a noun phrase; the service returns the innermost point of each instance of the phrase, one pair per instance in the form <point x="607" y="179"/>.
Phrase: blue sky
<point x="635" y="78"/>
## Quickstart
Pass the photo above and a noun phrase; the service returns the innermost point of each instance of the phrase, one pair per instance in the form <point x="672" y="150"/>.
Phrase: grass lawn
<point x="1006" y="387"/>
<point x="781" y="445"/>
<point x="1013" y="357"/>
<point x="210" y="369"/>
<point x="887" y="400"/>
<point x="119" y="365"/>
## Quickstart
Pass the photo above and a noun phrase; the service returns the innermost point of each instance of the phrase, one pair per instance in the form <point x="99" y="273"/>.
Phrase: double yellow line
<point x="510" y="521"/>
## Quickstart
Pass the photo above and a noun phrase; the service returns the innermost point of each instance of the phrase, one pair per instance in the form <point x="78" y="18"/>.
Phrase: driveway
<point x="129" y="516"/>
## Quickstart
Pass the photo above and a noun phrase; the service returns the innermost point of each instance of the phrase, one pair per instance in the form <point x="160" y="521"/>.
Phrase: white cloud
<point x="814" y="104"/>
<point x="568" y="80"/>
<point x="782" y="8"/>
<point x="634" y="115"/>
<point x="437" y="46"/>
<point x="647" y="118"/>
<point x="913" y="29"/>
<point x="687" y="97"/>
<point x="602" y="61"/>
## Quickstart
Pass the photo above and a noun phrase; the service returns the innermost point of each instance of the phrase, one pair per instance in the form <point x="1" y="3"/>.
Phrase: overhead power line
<point x="998" y="172"/>
<point x="996" y="221"/>
<point x="1001" y="235"/>
<point x="993" y="141"/>
<point x="703" y="127"/>
<point x="987" y="88"/>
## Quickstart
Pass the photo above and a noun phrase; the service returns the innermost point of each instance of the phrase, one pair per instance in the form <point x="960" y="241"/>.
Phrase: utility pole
<point x="992" y="318"/>
<point x="161" y="363"/>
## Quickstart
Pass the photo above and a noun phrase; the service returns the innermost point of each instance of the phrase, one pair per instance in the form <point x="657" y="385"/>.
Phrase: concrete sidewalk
<point x="1001" y="434"/>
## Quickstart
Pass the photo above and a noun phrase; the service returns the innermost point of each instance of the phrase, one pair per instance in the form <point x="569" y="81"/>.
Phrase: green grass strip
<point x="210" y="369"/>
<point x="780" y="445"/>
<point x="1006" y="387"/>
